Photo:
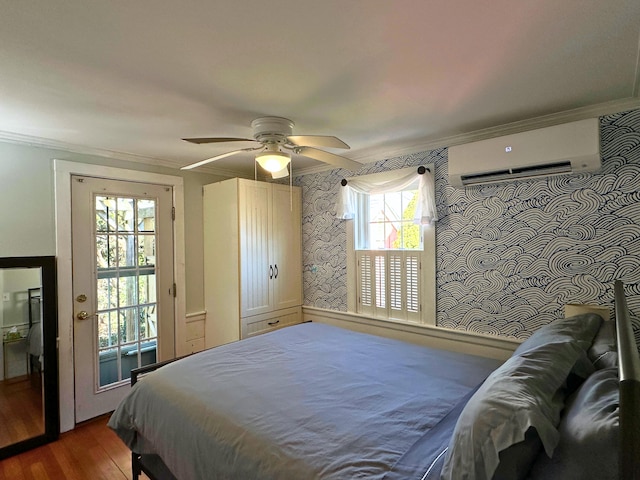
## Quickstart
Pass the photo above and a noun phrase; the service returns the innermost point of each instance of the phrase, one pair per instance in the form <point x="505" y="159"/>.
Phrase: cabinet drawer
<point x="270" y="321"/>
<point x="196" y="345"/>
<point x="195" y="329"/>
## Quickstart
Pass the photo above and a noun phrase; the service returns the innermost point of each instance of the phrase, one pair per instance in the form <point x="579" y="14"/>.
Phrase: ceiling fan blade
<point x="218" y="157"/>
<point x="330" y="158"/>
<point x="317" y="141"/>
<point x="217" y="140"/>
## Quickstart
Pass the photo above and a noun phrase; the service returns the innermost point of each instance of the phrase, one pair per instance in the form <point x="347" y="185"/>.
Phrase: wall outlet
<point x="6" y="297"/>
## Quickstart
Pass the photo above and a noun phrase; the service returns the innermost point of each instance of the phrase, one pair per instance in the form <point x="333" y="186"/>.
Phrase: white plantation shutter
<point x="395" y="284"/>
<point x="380" y="280"/>
<point x="389" y="284"/>
<point x="412" y="286"/>
<point x="365" y="273"/>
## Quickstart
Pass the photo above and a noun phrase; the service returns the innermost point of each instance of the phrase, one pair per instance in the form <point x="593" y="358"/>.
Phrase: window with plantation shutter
<point x="390" y="239"/>
<point x="389" y="284"/>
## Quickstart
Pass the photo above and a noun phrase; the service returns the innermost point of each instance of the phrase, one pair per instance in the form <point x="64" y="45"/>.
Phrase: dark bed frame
<point x="629" y="412"/>
<point x="629" y="374"/>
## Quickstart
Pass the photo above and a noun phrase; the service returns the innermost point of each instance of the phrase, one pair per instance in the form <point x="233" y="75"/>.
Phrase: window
<point x="388" y="247"/>
<point x="386" y="221"/>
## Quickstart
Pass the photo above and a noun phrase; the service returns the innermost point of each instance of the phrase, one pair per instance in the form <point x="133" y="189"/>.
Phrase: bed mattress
<point x="304" y="402"/>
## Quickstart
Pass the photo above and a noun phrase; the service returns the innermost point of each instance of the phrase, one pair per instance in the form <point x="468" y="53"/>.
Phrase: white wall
<point x="27" y="226"/>
<point x="27" y="218"/>
<point x="16" y="282"/>
<point x="26" y="196"/>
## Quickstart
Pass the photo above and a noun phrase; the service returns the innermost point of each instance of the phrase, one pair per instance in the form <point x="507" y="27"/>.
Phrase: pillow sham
<point x="589" y="433"/>
<point x="603" y="353"/>
<point x="580" y="329"/>
<point x="526" y="391"/>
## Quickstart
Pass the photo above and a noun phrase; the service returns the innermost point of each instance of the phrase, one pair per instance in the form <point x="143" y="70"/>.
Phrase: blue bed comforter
<point x="310" y="401"/>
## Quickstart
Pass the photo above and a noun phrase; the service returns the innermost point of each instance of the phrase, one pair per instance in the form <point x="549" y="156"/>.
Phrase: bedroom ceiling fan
<point x="275" y="134"/>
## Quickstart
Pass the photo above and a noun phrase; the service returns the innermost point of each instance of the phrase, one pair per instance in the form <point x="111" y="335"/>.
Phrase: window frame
<point x="427" y="255"/>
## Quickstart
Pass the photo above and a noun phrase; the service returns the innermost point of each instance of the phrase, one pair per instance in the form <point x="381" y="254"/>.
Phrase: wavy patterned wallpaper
<point x="509" y="256"/>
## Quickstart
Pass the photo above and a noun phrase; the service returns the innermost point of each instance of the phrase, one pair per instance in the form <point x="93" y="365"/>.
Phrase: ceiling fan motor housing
<point x="272" y="129"/>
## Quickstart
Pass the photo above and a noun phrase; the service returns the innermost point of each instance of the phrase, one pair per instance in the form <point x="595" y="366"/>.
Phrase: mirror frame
<point x="51" y="399"/>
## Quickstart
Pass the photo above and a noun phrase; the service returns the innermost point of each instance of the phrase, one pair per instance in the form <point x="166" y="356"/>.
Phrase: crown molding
<point x="371" y="155"/>
<point x="20" y="139"/>
<point x="607" y="108"/>
<point x="365" y="156"/>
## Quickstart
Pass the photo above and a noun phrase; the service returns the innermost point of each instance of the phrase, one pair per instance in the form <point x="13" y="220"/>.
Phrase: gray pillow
<point x="526" y="391"/>
<point x="589" y="433"/>
<point x="603" y="352"/>
<point x="580" y="329"/>
<point x="515" y="461"/>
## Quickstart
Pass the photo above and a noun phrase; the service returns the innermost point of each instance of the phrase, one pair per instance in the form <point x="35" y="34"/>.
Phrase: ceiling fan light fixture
<point x="281" y="174"/>
<point x="273" y="161"/>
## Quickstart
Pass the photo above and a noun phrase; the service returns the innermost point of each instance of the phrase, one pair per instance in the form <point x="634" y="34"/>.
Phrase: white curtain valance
<point x="392" y="181"/>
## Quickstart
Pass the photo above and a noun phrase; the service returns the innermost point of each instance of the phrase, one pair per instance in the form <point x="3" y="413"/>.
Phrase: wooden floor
<point x="90" y="452"/>
<point x="21" y="414"/>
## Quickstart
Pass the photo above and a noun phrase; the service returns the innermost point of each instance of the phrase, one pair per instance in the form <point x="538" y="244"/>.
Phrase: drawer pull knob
<point x="273" y="323"/>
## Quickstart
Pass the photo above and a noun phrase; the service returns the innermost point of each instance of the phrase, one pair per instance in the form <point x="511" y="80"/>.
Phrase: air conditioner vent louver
<point x="556" y="150"/>
<point x="517" y="173"/>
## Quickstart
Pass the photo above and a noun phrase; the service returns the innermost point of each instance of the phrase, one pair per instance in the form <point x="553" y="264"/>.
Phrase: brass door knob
<point x="82" y="315"/>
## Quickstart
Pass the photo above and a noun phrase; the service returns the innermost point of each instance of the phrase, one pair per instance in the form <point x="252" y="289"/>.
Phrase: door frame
<point x="63" y="170"/>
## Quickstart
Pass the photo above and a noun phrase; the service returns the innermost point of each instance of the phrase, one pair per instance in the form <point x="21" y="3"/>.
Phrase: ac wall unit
<point x="560" y="149"/>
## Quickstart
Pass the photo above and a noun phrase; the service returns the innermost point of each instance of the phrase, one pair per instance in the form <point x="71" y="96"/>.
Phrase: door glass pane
<point x="128" y="330"/>
<point x="147" y="288"/>
<point x="126" y="219"/>
<point x="148" y="323"/>
<point x="108" y="205"/>
<point x="105" y="251"/>
<point x="127" y="323"/>
<point x="146" y="215"/>
<point x="146" y="250"/>
<point x="127" y="291"/>
<point x="108" y="361"/>
<point x="107" y="293"/>
<point x="126" y="251"/>
<point x="107" y="329"/>
<point x="102" y="224"/>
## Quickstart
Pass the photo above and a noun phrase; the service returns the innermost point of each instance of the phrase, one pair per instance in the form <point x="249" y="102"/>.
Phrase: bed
<point x="316" y="401"/>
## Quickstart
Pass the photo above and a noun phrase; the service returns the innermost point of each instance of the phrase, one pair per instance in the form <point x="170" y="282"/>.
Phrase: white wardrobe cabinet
<point x="253" y="258"/>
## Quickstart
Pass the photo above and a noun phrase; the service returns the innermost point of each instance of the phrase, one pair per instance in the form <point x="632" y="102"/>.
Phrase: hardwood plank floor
<point x="20" y="408"/>
<point x="90" y="452"/>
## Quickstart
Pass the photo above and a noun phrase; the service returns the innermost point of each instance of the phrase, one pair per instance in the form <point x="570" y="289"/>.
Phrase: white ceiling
<point x="129" y="79"/>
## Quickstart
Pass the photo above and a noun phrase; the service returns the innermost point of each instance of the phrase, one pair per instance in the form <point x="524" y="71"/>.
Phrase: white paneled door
<point x="123" y="286"/>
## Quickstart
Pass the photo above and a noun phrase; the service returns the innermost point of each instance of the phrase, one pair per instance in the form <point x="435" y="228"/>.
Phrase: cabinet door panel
<point x="256" y="271"/>
<point x="286" y="248"/>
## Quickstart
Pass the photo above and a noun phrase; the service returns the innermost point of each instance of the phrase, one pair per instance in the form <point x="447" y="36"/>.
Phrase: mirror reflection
<point x="21" y="381"/>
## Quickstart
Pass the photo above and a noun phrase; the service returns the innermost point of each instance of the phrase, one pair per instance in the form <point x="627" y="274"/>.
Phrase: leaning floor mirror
<point x="29" y="413"/>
